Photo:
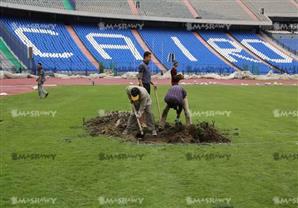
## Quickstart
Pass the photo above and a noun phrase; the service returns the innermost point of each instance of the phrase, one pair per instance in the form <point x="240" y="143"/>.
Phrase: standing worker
<point x="141" y="103"/>
<point x="175" y="77"/>
<point x="40" y="81"/>
<point x="176" y="98"/>
<point x="144" y="75"/>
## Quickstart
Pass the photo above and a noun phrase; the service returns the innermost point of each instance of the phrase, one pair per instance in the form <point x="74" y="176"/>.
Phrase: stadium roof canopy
<point x="229" y="12"/>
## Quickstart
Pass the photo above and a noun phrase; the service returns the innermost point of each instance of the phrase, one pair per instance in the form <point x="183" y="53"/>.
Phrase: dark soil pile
<point x="114" y="123"/>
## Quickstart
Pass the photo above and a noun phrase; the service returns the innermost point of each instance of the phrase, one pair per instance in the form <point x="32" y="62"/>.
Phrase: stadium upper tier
<point x="84" y="47"/>
<point x="205" y="9"/>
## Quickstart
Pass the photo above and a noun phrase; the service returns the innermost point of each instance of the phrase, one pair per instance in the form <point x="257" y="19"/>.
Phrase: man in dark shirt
<point x="174" y="73"/>
<point x="175" y="77"/>
<point x="176" y="98"/>
<point x="40" y="81"/>
<point x="144" y="75"/>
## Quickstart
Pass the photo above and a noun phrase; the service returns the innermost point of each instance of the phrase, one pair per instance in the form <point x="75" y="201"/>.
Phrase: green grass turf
<point x="251" y="178"/>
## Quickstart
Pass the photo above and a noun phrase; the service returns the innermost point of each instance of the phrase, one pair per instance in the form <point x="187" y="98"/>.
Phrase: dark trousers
<point x="147" y="86"/>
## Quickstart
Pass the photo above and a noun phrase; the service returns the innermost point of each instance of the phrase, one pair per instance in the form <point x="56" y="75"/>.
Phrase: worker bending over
<point x="141" y="102"/>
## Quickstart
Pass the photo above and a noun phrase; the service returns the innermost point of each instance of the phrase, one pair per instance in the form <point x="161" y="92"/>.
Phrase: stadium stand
<point x="267" y="52"/>
<point x="192" y="55"/>
<point x="115" y="49"/>
<point x="163" y="8"/>
<point x="275" y="6"/>
<point x="234" y="53"/>
<point x="224" y="9"/>
<point x="8" y="60"/>
<point x="58" y="4"/>
<point x="52" y="45"/>
<point x="104" y="6"/>
<point x="287" y="40"/>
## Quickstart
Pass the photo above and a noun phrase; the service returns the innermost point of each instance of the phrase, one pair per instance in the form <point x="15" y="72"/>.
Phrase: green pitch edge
<point x="8" y="54"/>
<point x="67" y="5"/>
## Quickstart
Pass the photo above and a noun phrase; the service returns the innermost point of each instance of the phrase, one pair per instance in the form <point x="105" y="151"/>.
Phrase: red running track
<point x="20" y="86"/>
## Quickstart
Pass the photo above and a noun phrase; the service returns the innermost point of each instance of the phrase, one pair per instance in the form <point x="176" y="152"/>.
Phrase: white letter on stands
<point x="100" y="47"/>
<point x="183" y="49"/>
<point x="20" y="33"/>
<point x="285" y="58"/>
<point x="228" y="53"/>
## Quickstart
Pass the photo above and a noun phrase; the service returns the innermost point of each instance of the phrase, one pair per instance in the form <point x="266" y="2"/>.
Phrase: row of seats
<point x="104" y="6"/>
<point x="52" y="44"/>
<point x="266" y="51"/>
<point x="287" y="40"/>
<point x="234" y="53"/>
<point x="119" y="49"/>
<point x="224" y="9"/>
<point x="190" y="52"/>
<point x="42" y="3"/>
<point x="207" y="9"/>
<point x="275" y="6"/>
<point x="163" y="8"/>
<point x="112" y="48"/>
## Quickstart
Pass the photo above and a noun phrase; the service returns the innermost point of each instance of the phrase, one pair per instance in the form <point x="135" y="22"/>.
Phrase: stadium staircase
<point x="190" y="8"/>
<point x="81" y="46"/>
<point x="133" y="8"/>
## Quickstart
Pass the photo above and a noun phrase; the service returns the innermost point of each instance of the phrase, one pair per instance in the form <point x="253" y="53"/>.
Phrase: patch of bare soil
<point x="114" y="123"/>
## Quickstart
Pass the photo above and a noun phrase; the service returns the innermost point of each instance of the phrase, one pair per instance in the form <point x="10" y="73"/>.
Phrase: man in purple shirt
<point x="176" y="98"/>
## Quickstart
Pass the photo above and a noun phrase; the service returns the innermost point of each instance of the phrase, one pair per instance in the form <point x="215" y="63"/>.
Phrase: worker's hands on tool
<point x="138" y="115"/>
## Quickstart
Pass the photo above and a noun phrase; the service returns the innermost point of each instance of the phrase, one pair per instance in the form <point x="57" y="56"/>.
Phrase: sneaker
<point x="154" y="133"/>
<point x="46" y="95"/>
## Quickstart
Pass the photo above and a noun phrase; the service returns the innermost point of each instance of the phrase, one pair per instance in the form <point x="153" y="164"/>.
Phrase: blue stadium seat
<point x="234" y="53"/>
<point x="114" y="48"/>
<point x="52" y="45"/>
<point x="267" y="52"/>
<point x="192" y="55"/>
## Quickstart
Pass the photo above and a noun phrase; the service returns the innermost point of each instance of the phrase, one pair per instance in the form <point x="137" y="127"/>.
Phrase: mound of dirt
<point x="114" y="123"/>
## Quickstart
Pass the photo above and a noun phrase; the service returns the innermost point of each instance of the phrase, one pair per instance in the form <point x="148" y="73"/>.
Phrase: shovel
<point x="157" y="101"/>
<point x="140" y="135"/>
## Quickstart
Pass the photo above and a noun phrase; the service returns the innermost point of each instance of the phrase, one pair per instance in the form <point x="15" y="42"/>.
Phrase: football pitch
<point x="49" y="160"/>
